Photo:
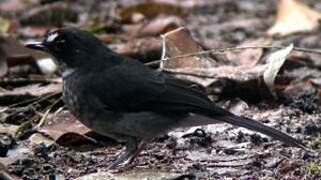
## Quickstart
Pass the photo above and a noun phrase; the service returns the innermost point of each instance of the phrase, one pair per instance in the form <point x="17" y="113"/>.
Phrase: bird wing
<point x="132" y="87"/>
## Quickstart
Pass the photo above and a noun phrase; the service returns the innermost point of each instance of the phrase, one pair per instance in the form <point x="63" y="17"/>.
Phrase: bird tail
<point x="222" y="115"/>
<point x="256" y="126"/>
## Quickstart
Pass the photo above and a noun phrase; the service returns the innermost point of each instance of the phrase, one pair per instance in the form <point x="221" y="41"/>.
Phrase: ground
<point x="217" y="151"/>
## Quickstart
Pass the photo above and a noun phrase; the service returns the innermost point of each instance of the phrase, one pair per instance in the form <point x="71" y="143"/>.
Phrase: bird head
<point x="71" y="47"/>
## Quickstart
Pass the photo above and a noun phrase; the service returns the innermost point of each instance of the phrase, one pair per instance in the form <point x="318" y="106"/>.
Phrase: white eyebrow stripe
<point x="52" y="37"/>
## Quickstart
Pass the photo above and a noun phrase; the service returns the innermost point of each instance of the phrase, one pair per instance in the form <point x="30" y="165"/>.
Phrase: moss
<point x="316" y="143"/>
<point x="314" y="169"/>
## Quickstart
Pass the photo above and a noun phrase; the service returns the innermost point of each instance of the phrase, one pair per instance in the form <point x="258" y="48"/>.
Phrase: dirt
<point x="210" y="152"/>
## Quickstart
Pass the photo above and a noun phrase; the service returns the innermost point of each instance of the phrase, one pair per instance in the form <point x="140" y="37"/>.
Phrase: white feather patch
<point x="52" y="37"/>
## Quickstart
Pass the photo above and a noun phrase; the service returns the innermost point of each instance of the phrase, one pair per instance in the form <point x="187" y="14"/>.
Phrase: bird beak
<point x="36" y="45"/>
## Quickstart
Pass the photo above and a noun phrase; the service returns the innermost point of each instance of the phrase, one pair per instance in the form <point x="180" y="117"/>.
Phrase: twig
<point x="45" y="115"/>
<point x="20" y="82"/>
<point x="163" y="57"/>
<point x="24" y="125"/>
<point x="174" y="71"/>
<point x="34" y="100"/>
<point x="224" y="50"/>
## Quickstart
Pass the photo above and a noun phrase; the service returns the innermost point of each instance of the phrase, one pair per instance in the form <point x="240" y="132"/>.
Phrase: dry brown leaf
<point x="9" y="47"/>
<point x="13" y="53"/>
<point x="288" y="167"/>
<point x="203" y="70"/>
<point x="55" y="14"/>
<point x="66" y="125"/>
<point x="302" y="86"/>
<point x="33" y="31"/>
<point x="144" y="49"/>
<point x="13" y="6"/>
<point x="238" y="73"/>
<point x="33" y="90"/>
<point x="293" y="17"/>
<point x="38" y="138"/>
<point x="159" y="25"/>
<point x="225" y="80"/>
<point x="180" y="42"/>
<point x="162" y="24"/>
<point x="151" y="10"/>
<point x="249" y="57"/>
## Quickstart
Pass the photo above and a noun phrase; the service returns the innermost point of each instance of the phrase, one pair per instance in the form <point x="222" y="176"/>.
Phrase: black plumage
<point x="123" y="99"/>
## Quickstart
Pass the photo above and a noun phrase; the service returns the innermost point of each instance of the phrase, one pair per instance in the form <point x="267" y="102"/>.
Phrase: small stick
<point x="224" y="50"/>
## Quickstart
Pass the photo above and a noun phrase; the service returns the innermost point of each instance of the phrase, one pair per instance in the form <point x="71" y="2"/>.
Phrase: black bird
<point x="121" y="98"/>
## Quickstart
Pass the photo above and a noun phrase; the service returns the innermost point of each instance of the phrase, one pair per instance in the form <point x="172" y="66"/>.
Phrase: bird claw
<point x="117" y="167"/>
<point x="124" y="162"/>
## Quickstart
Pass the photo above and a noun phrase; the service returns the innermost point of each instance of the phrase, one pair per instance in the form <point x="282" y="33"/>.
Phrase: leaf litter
<point x="63" y="148"/>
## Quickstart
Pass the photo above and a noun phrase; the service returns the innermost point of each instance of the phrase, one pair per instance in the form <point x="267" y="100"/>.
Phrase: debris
<point x="275" y="62"/>
<point x="290" y="12"/>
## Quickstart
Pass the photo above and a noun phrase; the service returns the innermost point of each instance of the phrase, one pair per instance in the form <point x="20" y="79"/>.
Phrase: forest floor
<point x="61" y="148"/>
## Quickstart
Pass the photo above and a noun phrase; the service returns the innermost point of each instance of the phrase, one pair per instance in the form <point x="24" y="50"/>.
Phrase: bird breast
<point x="71" y="96"/>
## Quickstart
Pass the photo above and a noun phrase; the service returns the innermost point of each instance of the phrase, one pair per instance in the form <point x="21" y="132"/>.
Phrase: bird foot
<point x="120" y="167"/>
<point x="124" y="162"/>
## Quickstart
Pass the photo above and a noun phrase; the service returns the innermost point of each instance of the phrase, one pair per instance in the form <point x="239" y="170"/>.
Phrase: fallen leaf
<point x="33" y="90"/>
<point x="293" y="17"/>
<point x="299" y="87"/>
<point x="151" y="10"/>
<point x="65" y="126"/>
<point x="288" y="167"/>
<point x="275" y="62"/>
<point x="179" y="42"/>
<point x="233" y="81"/>
<point x="251" y="56"/>
<point x="13" y="6"/>
<point x="239" y="73"/>
<point x="143" y="49"/>
<point x="12" y="53"/>
<point x="159" y="25"/>
<point x="33" y="31"/>
<point x="38" y="138"/>
<point x="54" y="14"/>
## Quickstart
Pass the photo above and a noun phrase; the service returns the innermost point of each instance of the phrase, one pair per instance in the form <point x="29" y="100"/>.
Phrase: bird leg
<point x="132" y="150"/>
<point x="141" y="146"/>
